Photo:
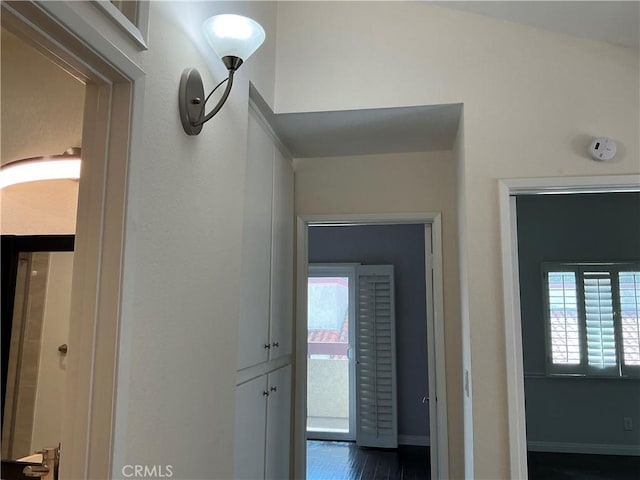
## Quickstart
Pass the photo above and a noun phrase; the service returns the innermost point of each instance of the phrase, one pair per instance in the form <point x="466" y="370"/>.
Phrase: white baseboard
<point x="588" y="448"/>
<point x="415" y="440"/>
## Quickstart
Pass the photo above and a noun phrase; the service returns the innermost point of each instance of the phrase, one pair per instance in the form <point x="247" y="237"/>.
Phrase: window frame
<point x="583" y="369"/>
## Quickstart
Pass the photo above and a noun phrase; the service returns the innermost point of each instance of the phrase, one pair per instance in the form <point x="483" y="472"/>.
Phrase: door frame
<point x="439" y="444"/>
<point x="111" y="135"/>
<point x="508" y="190"/>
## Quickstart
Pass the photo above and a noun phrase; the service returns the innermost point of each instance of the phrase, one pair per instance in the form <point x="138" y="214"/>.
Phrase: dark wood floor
<point x="345" y="461"/>
<point x="569" y="466"/>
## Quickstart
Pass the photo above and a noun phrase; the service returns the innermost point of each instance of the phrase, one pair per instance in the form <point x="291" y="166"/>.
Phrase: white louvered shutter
<point x="600" y="328"/>
<point x="629" y="286"/>
<point x="377" y="424"/>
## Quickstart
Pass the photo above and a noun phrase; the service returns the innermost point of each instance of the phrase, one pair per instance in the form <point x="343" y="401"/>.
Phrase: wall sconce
<point x="233" y="38"/>
<point x="53" y="167"/>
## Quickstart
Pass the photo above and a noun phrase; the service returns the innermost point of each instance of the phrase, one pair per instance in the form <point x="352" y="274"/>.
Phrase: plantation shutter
<point x="629" y="287"/>
<point x="600" y="328"/>
<point x="377" y="424"/>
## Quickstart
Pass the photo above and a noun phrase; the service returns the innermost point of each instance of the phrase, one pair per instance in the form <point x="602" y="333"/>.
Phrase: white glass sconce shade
<point x="233" y="35"/>
<point x="233" y="38"/>
<point x="55" y="167"/>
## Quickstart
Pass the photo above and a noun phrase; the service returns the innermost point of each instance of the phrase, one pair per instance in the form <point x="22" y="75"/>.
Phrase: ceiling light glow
<point x="44" y="168"/>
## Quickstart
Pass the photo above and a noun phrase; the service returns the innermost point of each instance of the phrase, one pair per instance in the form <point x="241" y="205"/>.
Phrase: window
<point x="593" y="318"/>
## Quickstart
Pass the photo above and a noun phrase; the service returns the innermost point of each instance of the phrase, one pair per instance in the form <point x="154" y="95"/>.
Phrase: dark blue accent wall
<point x="403" y="247"/>
<point x="584" y="227"/>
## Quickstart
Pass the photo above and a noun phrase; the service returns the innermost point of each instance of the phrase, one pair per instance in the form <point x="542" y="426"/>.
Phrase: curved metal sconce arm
<point x="223" y="99"/>
<point x="191" y="96"/>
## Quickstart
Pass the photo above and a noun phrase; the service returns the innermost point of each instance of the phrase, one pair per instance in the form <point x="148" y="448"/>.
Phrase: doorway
<point x="111" y="109"/>
<point x="509" y="190"/>
<point x="38" y="218"/>
<point x="36" y="272"/>
<point x="436" y="404"/>
<point x="579" y="312"/>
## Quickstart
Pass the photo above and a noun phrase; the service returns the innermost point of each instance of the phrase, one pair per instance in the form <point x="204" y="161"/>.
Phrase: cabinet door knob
<point x="274" y="389"/>
<point x="267" y="346"/>
<point x="265" y="393"/>
<point x="275" y="344"/>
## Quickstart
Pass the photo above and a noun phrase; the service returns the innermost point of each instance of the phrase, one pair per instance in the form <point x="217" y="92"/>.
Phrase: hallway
<point x="345" y="461"/>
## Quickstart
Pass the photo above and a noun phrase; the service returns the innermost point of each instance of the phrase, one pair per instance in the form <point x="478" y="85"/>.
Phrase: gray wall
<point x="587" y="227"/>
<point x="403" y="247"/>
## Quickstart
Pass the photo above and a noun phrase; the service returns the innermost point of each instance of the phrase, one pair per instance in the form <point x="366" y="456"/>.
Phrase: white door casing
<point x="435" y="315"/>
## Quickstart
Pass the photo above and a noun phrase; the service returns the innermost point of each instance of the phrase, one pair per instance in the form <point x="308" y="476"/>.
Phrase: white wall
<point x="396" y="183"/>
<point x="519" y="86"/>
<point x="176" y="385"/>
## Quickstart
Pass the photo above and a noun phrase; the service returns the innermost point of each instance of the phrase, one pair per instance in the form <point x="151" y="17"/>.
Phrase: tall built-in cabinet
<point x="265" y="332"/>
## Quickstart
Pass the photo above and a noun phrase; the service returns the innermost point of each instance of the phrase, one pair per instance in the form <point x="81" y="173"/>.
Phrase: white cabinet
<point x="250" y="428"/>
<point x="281" y="319"/>
<point x="263" y="425"/>
<point x="253" y="333"/>
<point x="266" y="298"/>
<point x="277" y="453"/>
<point x="263" y="396"/>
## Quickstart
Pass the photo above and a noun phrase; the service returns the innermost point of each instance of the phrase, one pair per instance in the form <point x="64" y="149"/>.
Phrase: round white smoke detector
<point x="603" y="149"/>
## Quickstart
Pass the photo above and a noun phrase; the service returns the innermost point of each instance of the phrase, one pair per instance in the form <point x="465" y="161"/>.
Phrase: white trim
<point x="136" y="32"/>
<point x="439" y="451"/>
<point x="513" y="336"/>
<point x="414" y="440"/>
<point x="370" y="218"/>
<point x="511" y="287"/>
<point x="585" y="448"/>
<point x="247" y="374"/>
<point x="437" y="344"/>
<point x="64" y="14"/>
<point x="300" y="342"/>
<point x="558" y="185"/>
<point x="261" y="117"/>
<point x="432" y="375"/>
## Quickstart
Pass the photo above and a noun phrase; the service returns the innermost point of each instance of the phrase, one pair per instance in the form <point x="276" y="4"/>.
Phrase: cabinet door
<point x="253" y="329"/>
<point x="251" y="410"/>
<point x="282" y="258"/>
<point x="278" y="446"/>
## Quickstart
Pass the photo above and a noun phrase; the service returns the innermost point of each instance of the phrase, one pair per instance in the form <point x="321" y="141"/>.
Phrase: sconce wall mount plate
<point x="191" y="100"/>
